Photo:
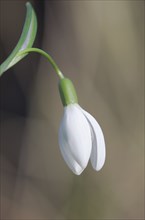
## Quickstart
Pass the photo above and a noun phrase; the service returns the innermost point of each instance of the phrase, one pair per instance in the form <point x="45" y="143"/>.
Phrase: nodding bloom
<point x="80" y="136"/>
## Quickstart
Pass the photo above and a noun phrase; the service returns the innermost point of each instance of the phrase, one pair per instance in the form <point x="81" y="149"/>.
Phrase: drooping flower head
<point x="80" y="136"/>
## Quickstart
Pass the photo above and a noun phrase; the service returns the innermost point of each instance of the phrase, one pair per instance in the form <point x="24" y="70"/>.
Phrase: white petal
<point x="75" y="137"/>
<point x="72" y="164"/>
<point x="98" y="153"/>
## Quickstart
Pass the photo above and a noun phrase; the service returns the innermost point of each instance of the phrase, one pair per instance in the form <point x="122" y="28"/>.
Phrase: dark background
<point x="100" y="46"/>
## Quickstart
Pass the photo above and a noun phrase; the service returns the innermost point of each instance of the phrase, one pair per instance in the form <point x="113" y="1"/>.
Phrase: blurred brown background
<point x="100" y="46"/>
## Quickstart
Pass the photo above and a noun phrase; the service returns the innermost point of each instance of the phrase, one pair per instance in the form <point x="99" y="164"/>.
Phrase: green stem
<point x="49" y="58"/>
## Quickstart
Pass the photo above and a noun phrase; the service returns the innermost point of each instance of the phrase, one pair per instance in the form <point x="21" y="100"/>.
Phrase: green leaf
<point x="26" y="40"/>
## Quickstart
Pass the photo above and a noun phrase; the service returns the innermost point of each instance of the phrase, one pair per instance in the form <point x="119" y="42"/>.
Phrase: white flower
<point x="81" y="139"/>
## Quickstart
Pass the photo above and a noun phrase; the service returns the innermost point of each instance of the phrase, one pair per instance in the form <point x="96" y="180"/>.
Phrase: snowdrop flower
<point x="80" y="136"/>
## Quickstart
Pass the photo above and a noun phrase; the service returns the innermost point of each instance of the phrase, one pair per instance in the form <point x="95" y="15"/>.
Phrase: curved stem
<point x="49" y="58"/>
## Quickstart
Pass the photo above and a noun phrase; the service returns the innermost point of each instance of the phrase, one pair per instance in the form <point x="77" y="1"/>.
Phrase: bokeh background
<point x="100" y="46"/>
